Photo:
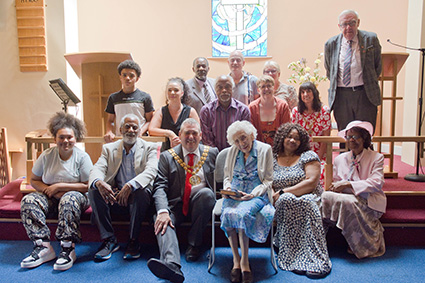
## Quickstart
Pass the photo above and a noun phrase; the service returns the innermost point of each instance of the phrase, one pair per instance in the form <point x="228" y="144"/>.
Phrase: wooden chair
<point x="218" y="178"/>
<point x="5" y="164"/>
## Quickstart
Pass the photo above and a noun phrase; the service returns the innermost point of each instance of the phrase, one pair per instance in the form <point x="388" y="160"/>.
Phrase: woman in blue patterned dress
<point x="248" y="170"/>
<point x="300" y="236"/>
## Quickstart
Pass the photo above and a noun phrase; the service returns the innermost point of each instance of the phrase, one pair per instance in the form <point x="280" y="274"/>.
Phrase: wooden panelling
<point x="98" y="72"/>
<point x="31" y="25"/>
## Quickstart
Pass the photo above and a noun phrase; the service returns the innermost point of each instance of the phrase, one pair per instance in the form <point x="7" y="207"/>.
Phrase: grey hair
<point x="237" y="53"/>
<point x="131" y="116"/>
<point x="222" y="77"/>
<point x="200" y="58"/>
<point x="272" y="64"/>
<point x="190" y="121"/>
<point x="345" y="12"/>
<point x="239" y="126"/>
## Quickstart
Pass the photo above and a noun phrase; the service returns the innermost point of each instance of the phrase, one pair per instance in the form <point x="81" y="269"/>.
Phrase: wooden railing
<point x="38" y="141"/>
<point x="334" y="139"/>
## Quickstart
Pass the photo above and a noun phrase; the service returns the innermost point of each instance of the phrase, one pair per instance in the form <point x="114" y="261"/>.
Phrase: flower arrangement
<point x="301" y="72"/>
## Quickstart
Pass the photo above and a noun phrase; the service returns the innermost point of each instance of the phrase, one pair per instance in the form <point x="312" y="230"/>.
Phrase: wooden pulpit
<point x="391" y="66"/>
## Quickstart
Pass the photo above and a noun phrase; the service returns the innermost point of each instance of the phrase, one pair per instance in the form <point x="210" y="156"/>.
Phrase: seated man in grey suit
<point x="121" y="182"/>
<point x="182" y="191"/>
<point x="201" y="87"/>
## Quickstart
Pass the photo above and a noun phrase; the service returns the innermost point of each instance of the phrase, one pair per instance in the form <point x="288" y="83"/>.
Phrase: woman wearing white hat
<point x="355" y="200"/>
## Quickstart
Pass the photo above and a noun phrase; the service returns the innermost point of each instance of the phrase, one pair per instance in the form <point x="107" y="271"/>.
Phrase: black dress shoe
<point x="192" y="253"/>
<point x="133" y="250"/>
<point x="166" y="270"/>
<point x="317" y="275"/>
<point x="247" y="277"/>
<point x="235" y="275"/>
<point x="299" y="272"/>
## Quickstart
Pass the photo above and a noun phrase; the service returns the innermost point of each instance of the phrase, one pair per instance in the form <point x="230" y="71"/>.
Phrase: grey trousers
<point x="352" y="105"/>
<point x="138" y="205"/>
<point x="200" y="209"/>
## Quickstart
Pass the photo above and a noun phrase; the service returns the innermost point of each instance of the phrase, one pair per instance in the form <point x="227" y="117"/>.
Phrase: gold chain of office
<point x="194" y="180"/>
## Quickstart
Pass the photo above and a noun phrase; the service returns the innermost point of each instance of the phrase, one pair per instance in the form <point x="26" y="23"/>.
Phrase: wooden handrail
<point x="336" y="139"/>
<point x="331" y="139"/>
<point x="41" y="140"/>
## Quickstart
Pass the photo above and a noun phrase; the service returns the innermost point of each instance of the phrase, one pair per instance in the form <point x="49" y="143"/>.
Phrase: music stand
<point x="64" y="93"/>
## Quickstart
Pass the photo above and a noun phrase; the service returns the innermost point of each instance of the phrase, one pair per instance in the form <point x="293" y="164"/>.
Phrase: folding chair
<point x="218" y="178"/>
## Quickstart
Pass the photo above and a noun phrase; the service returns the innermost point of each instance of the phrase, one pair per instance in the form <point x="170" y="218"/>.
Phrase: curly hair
<point x="283" y="132"/>
<point x="184" y="87"/>
<point x="129" y="64"/>
<point x="317" y="104"/>
<point x="367" y="139"/>
<point x="63" y="120"/>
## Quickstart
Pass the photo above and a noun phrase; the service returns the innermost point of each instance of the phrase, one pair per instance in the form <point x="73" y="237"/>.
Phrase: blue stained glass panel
<point x="239" y="25"/>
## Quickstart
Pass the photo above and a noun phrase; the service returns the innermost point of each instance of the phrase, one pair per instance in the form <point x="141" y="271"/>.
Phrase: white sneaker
<point x="66" y="257"/>
<point x="43" y="252"/>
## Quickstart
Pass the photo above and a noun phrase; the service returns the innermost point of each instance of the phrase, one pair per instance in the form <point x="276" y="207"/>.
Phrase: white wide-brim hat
<point x="361" y="124"/>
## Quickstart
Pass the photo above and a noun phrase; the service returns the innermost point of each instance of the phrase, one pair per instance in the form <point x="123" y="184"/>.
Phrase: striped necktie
<point x="206" y="93"/>
<point x="346" y="75"/>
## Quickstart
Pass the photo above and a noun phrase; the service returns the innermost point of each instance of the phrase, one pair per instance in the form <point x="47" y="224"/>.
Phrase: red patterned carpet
<point x="400" y="184"/>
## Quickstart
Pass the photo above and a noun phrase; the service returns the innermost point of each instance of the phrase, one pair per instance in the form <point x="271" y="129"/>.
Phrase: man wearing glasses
<point x="353" y="65"/>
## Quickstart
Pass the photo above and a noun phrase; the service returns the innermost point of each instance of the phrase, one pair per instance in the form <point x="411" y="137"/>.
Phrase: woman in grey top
<point x="60" y="177"/>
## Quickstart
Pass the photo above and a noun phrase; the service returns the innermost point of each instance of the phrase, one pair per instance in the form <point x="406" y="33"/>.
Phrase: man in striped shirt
<point x="219" y="114"/>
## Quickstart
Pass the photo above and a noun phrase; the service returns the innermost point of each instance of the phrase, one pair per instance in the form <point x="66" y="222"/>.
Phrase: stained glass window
<point x="239" y="25"/>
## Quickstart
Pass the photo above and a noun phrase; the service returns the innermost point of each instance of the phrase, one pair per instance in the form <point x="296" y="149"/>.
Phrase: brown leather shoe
<point x="235" y="275"/>
<point x="247" y="277"/>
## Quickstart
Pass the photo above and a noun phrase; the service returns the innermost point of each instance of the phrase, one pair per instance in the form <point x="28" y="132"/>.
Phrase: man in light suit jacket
<point x="201" y="87"/>
<point x="353" y="65"/>
<point x="121" y="181"/>
<point x="181" y="193"/>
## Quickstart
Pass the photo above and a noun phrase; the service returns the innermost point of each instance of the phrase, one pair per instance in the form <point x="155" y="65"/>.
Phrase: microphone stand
<point x="416" y="177"/>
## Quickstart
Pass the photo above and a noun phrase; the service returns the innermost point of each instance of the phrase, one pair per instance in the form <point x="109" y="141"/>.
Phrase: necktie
<point x="206" y="93"/>
<point x="346" y="76"/>
<point x="187" y="186"/>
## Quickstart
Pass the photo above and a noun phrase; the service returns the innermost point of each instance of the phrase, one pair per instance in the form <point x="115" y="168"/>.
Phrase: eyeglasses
<point x="265" y="72"/>
<point x="264" y="86"/>
<point x="355" y="137"/>
<point x="351" y="24"/>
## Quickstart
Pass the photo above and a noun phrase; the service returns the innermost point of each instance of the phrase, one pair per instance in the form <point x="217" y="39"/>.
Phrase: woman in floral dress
<point x="314" y="117"/>
<point x="249" y="171"/>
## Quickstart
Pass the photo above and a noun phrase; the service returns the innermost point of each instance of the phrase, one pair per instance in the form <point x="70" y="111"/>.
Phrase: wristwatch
<point x="281" y="192"/>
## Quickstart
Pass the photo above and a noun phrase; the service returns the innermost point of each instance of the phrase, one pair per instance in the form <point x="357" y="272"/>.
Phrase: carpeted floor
<point x="397" y="265"/>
